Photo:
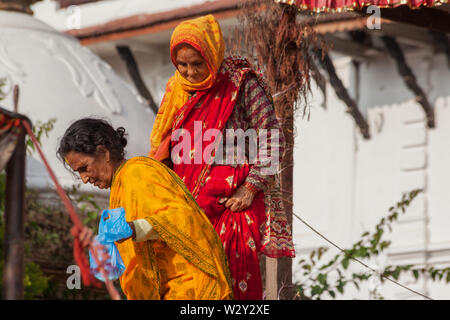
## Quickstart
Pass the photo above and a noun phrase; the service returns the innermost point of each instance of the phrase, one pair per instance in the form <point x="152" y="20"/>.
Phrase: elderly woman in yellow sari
<point x="174" y="251"/>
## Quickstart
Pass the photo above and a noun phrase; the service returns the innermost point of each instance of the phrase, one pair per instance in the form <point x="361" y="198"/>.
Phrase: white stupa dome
<point x="59" y="78"/>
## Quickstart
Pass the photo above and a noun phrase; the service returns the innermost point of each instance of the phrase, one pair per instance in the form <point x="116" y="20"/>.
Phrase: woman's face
<point x="191" y="64"/>
<point x="97" y="170"/>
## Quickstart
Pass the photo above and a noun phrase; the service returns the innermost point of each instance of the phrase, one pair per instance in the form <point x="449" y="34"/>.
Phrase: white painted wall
<point x="58" y="78"/>
<point x="345" y="184"/>
<point x="154" y="65"/>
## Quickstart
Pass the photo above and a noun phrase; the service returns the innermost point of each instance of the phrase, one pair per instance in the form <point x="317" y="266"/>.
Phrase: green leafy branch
<point x="39" y="130"/>
<point x="316" y="276"/>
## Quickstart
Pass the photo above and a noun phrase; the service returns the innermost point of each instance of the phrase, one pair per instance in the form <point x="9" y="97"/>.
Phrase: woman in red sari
<point x="209" y="99"/>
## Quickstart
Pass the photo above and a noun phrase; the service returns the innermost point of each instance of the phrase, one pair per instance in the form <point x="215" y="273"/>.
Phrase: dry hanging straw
<point x="272" y="38"/>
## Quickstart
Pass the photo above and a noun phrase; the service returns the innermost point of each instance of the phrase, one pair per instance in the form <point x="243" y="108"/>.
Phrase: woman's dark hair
<point x="85" y="135"/>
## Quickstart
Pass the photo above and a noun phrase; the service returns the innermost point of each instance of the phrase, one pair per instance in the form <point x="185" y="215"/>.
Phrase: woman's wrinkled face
<point x="97" y="170"/>
<point x="191" y="64"/>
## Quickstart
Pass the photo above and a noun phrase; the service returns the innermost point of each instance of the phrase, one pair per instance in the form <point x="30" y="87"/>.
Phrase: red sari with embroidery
<point x="240" y="232"/>
<point x="262" y="228"/>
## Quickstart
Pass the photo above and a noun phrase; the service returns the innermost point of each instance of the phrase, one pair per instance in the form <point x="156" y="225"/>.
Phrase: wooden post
<point x="284" y="264"/>
<point x="13" y="270"/>
<point x="271" y="279"/>
<point x="279" y="271"/>
<point x="16" y="93"/>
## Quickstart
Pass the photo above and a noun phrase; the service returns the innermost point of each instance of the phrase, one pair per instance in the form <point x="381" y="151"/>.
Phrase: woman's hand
<point x="85" y="236"/>
<point x="241" y="200"/>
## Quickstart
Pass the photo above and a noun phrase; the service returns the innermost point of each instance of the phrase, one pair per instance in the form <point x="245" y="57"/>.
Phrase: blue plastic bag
<point x="112" y="227"/>
<point x="114" y="267"/>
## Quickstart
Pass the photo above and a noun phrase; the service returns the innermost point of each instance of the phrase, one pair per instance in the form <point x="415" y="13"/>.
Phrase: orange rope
<point x="79" y="255"/>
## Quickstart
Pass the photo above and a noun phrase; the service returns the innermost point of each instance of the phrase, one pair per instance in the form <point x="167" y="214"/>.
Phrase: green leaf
<point x="396" y="273"/>
<point x="299" y="289"/>
<point x="361" y="252"/>
<point x="322" y="278"/>
<point x="434" y="274"/>
<point x="316" y="290"/>
<point x="345" y="263"/>
<point x="384" y="244"/>
<point x="321" y="251"/>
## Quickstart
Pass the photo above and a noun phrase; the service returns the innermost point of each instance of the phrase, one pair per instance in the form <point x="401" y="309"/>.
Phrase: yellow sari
<point x="187" y="262"/>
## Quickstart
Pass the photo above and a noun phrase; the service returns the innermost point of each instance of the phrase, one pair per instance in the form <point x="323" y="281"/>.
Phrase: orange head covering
<point x="204" y="35"/>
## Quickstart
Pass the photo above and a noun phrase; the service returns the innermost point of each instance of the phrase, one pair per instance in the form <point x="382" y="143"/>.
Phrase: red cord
<point x="82" y="262"/>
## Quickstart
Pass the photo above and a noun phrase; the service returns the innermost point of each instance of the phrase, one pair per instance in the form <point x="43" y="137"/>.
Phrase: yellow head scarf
<point x="205" y="35"/>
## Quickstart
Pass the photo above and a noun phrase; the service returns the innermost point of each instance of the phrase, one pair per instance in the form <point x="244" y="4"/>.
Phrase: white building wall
<point x="345" y="184"/>
<point x="154" y="65"/>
